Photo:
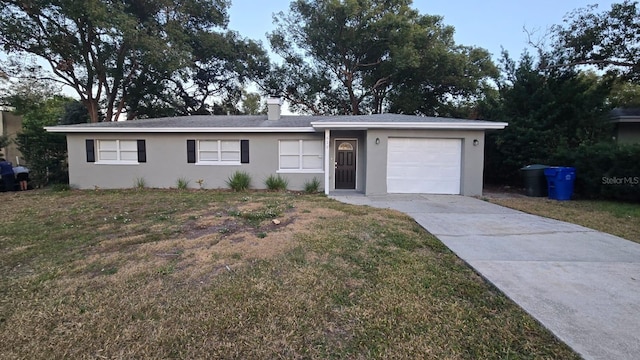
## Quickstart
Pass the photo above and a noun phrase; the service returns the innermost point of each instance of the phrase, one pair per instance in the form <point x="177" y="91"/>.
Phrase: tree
<point x="609" y="40"/>
<point x="222" y="65"/>
<point x="364" y="56"/>
<point x="251" y="104"/>
<point x="121" y="56"/>
<point x="44" y="152"/>
<point x="39" y="105"/>
<point x="440" y="78"/>
<point x="548" y="111"/>
<point x="625" y="94"/>
<point x="74" y="113"/>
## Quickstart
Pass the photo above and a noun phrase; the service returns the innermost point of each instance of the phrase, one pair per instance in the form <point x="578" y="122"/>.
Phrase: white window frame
<point x="301" y="155"/>
<point x="219" y="161"/>
<point x="118" y="150"/>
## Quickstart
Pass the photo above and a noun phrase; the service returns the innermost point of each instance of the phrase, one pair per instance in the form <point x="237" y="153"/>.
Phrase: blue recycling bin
<point x="560" y="182"/>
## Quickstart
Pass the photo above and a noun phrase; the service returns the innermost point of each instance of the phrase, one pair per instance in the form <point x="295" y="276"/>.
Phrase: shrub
<point x="604" y="170"/>
<point x="276" y="183"/>
<point x="182" y="183"/>
<point x="239" y="181"/>
<point x="313" y="186"/>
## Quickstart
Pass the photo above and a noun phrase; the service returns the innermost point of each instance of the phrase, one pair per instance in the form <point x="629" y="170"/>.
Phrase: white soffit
<point x="73" y="129"/>
<point x="452" y="125"/>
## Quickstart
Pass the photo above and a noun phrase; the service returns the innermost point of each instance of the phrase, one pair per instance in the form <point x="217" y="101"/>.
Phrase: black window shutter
<point x="91" y="150"/>
<point x="244" y="151"/>
<point x="191" y="151"/>
<point x="142" y="151"/>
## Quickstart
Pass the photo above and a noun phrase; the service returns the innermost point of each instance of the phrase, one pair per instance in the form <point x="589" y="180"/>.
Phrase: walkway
<point x="581" y="284"/>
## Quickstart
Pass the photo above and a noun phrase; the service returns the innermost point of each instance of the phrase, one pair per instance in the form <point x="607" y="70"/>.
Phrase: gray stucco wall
<point x="472" y="158"/>
<point x="167" y="162"/>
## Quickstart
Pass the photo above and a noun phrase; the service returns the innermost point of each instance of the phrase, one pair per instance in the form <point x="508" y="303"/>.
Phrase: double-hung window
<point x="301" y="155"/>
<point x="117" y="151"/>
<point x="218" y="152"/>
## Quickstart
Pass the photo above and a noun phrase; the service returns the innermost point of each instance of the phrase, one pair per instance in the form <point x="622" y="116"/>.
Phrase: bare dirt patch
<point x="215" y="241"/>
<point x="202" y="274"/>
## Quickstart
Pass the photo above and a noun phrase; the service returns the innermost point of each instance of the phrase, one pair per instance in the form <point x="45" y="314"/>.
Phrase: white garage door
<point x="424" y="166"/>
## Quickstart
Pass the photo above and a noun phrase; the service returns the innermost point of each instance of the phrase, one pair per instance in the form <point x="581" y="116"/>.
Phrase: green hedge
<point x="604" y="171"/>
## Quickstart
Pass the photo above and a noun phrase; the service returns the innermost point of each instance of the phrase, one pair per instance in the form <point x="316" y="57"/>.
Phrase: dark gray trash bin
<point x="535" y="182"/>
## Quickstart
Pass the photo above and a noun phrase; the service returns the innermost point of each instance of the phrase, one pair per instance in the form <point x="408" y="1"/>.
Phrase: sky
<point x="489" y="24"/>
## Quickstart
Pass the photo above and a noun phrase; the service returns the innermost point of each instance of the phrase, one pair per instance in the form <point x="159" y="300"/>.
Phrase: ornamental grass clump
<point x="312" y="187"/>
<point x="239" y="181"/>
<point x="277" y="183"/>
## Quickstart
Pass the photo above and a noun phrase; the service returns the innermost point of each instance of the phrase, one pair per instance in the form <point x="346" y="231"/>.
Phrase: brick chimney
<point x="274" y="104"/>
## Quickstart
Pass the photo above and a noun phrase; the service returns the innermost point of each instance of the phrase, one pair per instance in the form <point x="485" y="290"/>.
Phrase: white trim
<point x="118" y="151"/>
<point x="211" y="163"/>
<point x="112" y="162"/>
<point x="218" y="152"/>
<point x="296" y="171"/>
<point x="70" y="129"/>
<point x="300" y="156"/>
<point x="481" y="125"/>
<point x="327" y="146"/>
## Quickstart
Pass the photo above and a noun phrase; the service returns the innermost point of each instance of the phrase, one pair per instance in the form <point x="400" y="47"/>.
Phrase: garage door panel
<point x="411" y="187"/>
<point x="418" y="165"/>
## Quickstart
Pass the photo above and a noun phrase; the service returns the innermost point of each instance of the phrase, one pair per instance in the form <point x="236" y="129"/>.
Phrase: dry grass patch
<point x="616" y="218"/>
<point x="207" y="274"/>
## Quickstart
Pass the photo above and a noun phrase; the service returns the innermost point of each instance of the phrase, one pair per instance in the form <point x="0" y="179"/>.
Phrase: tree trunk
<point x="92" y="109"/>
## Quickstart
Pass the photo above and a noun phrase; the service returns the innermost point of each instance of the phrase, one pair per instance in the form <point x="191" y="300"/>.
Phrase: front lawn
<point x="209" y="274"/>
<point x="616" y="218"/>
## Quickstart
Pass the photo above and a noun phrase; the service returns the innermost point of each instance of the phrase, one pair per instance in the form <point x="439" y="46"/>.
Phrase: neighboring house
<point x="370" y="154"/>
<point x="10" y="125"/>
<point x="626" y="123"/>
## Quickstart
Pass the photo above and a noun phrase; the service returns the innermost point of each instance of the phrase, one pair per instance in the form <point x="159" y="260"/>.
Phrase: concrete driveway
<point x="581" y="284"/>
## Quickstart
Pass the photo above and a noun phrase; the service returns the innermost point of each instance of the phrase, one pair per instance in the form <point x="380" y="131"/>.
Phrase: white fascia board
<point x="68" y="129"/>
<point x="411" y="125"/>
<point x="626" y="119"/>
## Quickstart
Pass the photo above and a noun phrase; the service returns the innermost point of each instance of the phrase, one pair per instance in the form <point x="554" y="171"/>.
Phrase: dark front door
<point x="346" y="164"/>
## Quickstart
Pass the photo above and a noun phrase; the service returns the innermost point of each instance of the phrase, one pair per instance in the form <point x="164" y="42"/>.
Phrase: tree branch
<point x="604" y="62"/>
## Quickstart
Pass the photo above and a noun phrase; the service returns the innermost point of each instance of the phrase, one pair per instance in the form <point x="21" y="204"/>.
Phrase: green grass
<point x="59" y="187"/>
<point x="616" y="218"/>
<point x="255" y="217"/>
<point x="151" y="274"/>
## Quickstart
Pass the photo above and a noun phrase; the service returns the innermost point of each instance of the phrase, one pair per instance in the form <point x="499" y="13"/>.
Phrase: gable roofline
<point x="625" y="115"/>
<point x="71" y="129"/>
<point x="286" y="124"/>
<point x="474" y="125"/>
